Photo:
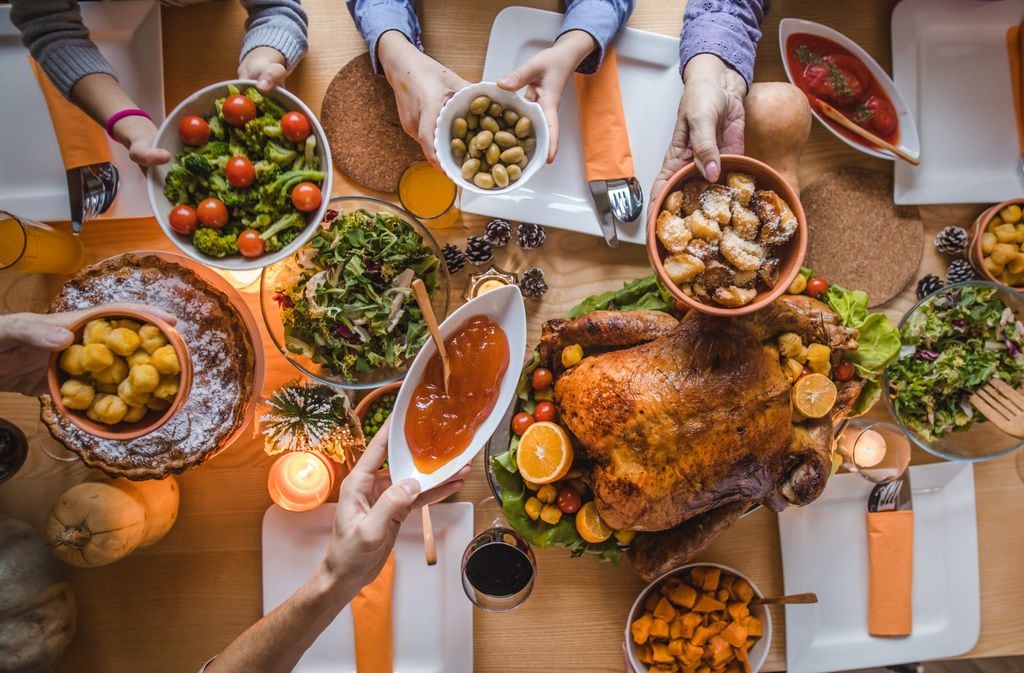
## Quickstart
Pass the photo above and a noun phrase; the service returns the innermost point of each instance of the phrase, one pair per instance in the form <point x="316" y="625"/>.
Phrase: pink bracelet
<point x="118" y="116"/>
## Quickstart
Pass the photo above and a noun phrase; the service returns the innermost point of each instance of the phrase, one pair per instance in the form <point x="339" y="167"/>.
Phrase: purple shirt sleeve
<point x="729" y="29"/>
<point x="601" y="19"/>
<point x="375" y="17"/>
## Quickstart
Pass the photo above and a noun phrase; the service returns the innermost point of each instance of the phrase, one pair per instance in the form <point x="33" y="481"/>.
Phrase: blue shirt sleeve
<point x="601" y="19"/>
<point x="375" y="17"/>
<point x="729" y="29"/>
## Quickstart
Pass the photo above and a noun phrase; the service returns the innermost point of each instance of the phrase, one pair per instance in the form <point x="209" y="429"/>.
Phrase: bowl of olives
<point x="490" y="141"/>
<point x="126" y="373"/>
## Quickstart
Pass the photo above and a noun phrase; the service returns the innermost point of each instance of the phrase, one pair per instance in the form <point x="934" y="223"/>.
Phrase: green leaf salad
<point x="351" y="307"/>
<point x="952" y="344"/>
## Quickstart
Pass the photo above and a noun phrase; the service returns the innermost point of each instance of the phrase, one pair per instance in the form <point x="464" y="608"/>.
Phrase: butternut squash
<point x="778" y="121"/>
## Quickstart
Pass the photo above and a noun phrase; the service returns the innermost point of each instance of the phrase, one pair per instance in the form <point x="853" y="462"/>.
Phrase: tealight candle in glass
<point x="879" y="452"/>
<point x="300" y="481"/>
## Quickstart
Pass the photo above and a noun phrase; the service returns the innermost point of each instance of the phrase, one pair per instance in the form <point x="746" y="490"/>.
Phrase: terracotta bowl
<point x="153" y="419"/>
<point x="374" y="395"/>
<point x="766" y="177"/>
<point x="974" y="252"/>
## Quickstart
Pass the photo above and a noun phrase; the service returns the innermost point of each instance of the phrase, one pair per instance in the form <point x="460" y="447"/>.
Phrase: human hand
<point x="370" y="511"/>
<point x="138" y="134"/>
<point x="421" y="86"/>
<point x="545" y="75"/>
<point x="266" y="65"/>
<point x="27" y="339"/>
<point x="709" y="122"/>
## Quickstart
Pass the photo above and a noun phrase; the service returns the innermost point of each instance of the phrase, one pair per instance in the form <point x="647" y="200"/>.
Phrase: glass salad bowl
<point x="346" y="340"/>
<point x="980" y="440"/>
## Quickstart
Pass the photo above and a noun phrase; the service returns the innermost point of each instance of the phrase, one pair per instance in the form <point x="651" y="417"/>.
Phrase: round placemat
<point x="859" y="238"/>
<point x="361" y="121"/>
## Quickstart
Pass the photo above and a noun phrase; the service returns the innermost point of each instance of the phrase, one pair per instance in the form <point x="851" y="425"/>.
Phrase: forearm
<point x="100" y="96"/>
<point x="277" y="642"/>
<point x="278" y="24"/>
<point x="601" y="20"/>
<point x="376" y="18"/>
<point x="729" y="29"/>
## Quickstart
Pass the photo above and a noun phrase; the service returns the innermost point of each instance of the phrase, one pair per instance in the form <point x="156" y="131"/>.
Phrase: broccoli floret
<point x="197" y="164"/>
<point x="215" y="244"/>
<point x="257" y="130"/>
<point x="266" y="171"/>
<point x="212" y="149"/>
<point x="261" y="221"/>
<point x="179" y="185"/>
<point x="278" y="191"/>
<point x="309" y="152"/>
<point x="282" y="156"/>
<point x="265" y="104"/>
<point x="275" y="243"/>
<point x="217" y="129"/>
<point x="290" y="221"/>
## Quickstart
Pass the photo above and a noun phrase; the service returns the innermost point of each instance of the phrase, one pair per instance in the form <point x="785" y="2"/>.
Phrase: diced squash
<point x="664" y="668"/>
<point x="711" y="576"/>
<point x="738" y="611"/>
<point x="661" y="655"/>
<point x="640" y="629"/>
<point x="675" y="647"/>
<point x="651" y="601"/>
<point x="690" y="622"/>
<point x="701" y="635"/>
<point x="645" y="654"/>
<point x="717" y="625"/>
<point x="722" y="595"/>
<point x="664" y="610"/>
<point x="697" y="575"/>
<point x="675" y="628"/>
<point x="659" y="629"/>
<point x="708" y="603"/>
<point x="684" y="596"/>
<point x="668" y="586"/>
<point x="742" y="591"/>
<point x="753" y="626"/>
<point x="734" y="634"/>
<point x="718" y="651"/>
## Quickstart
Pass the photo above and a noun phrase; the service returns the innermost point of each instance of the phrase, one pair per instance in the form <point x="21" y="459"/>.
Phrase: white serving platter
<point x="433" y="619"/>
<point x="824" y="550"/>
<point x="950" y="61"/>
<point x="558" y="196"/>
<point x="32" y="178"/>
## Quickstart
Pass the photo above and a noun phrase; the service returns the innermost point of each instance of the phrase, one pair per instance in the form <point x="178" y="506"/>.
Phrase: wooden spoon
<point x="841" y="119"/>
<point x="792" y="599"/>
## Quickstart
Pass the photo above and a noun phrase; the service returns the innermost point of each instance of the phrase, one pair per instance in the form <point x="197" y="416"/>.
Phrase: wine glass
<point x="878" y="452"/>
<point x="498" y="567"/>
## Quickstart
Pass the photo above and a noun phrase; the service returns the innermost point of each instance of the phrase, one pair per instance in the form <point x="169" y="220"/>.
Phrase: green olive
<point x="459" y="127"/>
<point x="529" y="145"/>
<point x="523" y="162"/>
<point x="495" y="110"/>
<point x="458" y="148"/>
<point x="483" y="140"/>
<point x="470" y="168"/>
<point x="472" y="151"/>
<point x="493" y="154"/>
<point x="505" y="139"/>
<point x="472" y="122"/>
<point x="483" y="181"/>
<point x="514" y="172"/>
<point x="479" y="105"/>
<point x="510" y="116"/>
<point x="524" y="127"/>
<point x="500" y="175"/>
<point x="490" y="124"/>
<point x="513" y="155"/>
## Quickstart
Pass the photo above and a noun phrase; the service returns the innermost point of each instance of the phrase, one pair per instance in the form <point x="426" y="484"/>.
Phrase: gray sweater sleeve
<point x="55" y="35"/>
<point x="280" y="24"/>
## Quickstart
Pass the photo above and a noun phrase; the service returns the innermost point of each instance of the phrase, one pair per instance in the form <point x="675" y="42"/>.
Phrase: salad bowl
<point x="954" y="430"/>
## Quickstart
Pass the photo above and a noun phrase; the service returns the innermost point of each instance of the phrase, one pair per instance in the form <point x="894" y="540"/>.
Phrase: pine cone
<point x="498" y="233"/>
<point x="530" y="236"/>
<point x="454" y="258"/>
<point x="478" y="250"/>
<point x="929" y="284"/>
<point x="532" y="283"/>
<point x="951" y="241"/>
<point x="959" y="270"/>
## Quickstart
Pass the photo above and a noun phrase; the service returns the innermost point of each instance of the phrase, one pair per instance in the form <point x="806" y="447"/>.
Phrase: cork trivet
<point x="859" y="238"/>
<point x="361" y="121"/>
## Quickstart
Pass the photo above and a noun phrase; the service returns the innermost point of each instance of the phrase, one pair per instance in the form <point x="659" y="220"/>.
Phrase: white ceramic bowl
<point x="458" y="106"/>
<point x="758" y="653"/>
<point x="505" y="307"/>
<point x="909" y="141"/>
<point x="201" y="103"/>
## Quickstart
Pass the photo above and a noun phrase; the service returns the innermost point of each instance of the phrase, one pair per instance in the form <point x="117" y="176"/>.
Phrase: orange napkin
<point x="82" y="141"/>
<point x="1014" y="48"/>
<point x="371" y="611"/>
<point x="605" y="137"/>
<point x="891" y="572"/>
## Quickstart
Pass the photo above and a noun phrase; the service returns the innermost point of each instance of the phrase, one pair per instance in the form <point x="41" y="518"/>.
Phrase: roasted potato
<point x="715" y="202"/>
<point x="673" y="232"/>
<point x="683" y="268"/>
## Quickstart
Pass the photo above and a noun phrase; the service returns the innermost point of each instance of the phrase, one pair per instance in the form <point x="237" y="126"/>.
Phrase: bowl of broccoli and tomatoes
<point x="250" y="178"/>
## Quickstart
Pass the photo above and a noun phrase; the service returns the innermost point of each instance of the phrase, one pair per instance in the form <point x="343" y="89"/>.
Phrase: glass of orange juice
<point x="34" y="247"/>
<point x="426" y="192"/>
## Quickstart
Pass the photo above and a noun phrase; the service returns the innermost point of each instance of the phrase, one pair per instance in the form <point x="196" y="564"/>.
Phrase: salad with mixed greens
<point x="952" y="344"/>
<point x="248" y="176"/>
<point x="350" y="307"/>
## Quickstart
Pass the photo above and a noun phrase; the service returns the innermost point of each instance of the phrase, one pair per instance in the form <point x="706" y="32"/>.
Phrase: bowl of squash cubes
<point x="698" y="619"/>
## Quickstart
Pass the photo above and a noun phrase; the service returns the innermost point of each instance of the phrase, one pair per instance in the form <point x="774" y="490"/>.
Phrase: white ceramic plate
<point x="950" y="60"/>
<point x="907" y="129"/>
<point x="824" y="550"/>
<point x="202" y="103"/>
<point x="32" y="178"/>
<point x="433" y="619"/>
<point x="558" y="196"/>
<point x="505" y="307"/>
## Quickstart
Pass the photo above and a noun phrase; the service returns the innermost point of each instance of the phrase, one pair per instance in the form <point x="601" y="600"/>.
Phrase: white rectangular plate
<point x="433" y="619"/>
<point x="32" y="179"/>
<point x="951" y="64"/>
<point x="558" y="196"/>
<point x="824" y="550"/>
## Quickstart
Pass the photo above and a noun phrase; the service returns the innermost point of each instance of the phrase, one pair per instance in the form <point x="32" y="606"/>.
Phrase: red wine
<point x="498" y="569"/>
<point x="13" y="450"/>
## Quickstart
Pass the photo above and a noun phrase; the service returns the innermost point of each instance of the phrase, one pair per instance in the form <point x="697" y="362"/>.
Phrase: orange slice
<point x="544" y="454"/>
<point x="814" y="395"/>
<point x="590" y="525"/>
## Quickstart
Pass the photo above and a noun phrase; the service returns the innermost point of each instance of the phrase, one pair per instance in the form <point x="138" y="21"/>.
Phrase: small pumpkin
<point x="37" y="604"/>
<point x="99" y="522"/>
<point x="778" y="121"/>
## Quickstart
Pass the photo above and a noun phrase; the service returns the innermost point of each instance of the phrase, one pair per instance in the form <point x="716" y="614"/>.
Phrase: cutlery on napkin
<point x="1015" y="50"/>
<point x="890" y="558"/>
<point x="606" y="151"/>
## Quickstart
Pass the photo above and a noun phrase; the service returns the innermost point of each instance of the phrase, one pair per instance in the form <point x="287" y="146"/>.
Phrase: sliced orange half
<point x="814" y="395"/>
<point x="590" y="525"/>
<point x="544" y="454"/>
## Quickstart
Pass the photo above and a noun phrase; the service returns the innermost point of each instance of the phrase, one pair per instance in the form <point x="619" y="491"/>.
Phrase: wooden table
<point x="170" y="607"/>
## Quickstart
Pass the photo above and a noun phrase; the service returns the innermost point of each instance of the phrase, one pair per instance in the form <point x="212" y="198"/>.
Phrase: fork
<point x="888" y="497"/>
<point x="1002" y="405"/>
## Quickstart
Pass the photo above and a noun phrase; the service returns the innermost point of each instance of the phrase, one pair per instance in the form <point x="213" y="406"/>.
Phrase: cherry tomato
<point x="520" y="422"/>
<point x="240" y="172"/>
<point x="238" y="110"/>
<point x="816" y="287"/>
<point x="212" y="213"/>
<point x="843" y="371"/>
<point x="295" y="127"/>
<point x="183" y="219"/>
<point x="569" y="500"/>
<point x="545" y="411"/>
<point x="193" y="131"/>
<point x="306" y="197"/>
<point x="541" y="378"/>
<point x="250" y="244"/>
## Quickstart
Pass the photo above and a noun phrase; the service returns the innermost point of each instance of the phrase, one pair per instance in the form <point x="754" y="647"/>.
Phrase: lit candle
<point x="300" y="481"/>
<point x="242" y="280"/>
<point x="869" y="449"/>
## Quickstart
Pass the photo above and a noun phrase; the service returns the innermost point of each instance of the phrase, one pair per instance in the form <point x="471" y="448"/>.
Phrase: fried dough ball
<point x="71" y="360"/>
<point x="702" y="227"/>
<point x="674" y="202"/>
<point x="167" y="389"/>
<point x="715" y="202"/>
<point x="131" y="396"/>
<point x="744" y="255"/>
<point x="107" y="409"/>
<point x="144" y="378"/>
<point x="126" y="323"/>
<point x="165" y="360"/>
<point x="115" y="373"/>
<point x="157" y="404"/>
<point x="151" y="337"/>
<point x="683" y="268"/>
<point x="107" y="388"/>
<point x="135" y="413"/>
<point x="96" y="331"/>
<point x="96" y="356"/>
<point x="742" y="185"/>
<point x="77" y="395"/>
<point x="673" y="232"/>
<point x="745" y="222"/>
<point x="139" y="357"/>
<point x="734" y="297"/>
<point x="123" y="341"/>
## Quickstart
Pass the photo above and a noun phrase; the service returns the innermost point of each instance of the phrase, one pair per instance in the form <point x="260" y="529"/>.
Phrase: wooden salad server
<point x="792" y="599"/>
<point x="841" y="119"/>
